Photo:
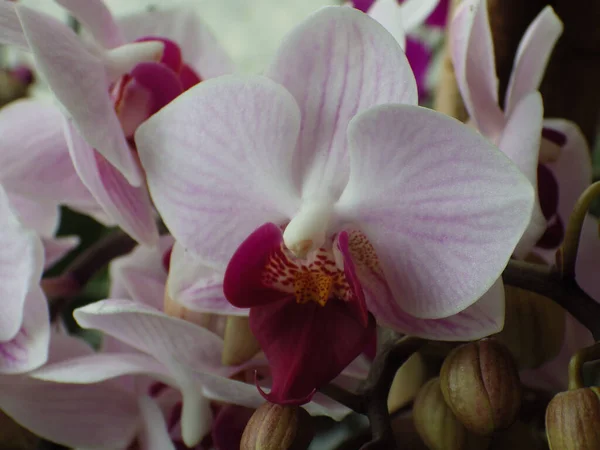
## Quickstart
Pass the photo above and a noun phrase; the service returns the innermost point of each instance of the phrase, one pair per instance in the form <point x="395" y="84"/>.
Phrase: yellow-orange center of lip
<point x="313" y="286"/>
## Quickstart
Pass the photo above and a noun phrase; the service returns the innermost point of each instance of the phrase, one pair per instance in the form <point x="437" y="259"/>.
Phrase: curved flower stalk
<point x="38" y="175"/>
<point x="536" y="147"/>
<point x="110" y="84"/>
<point x="329" y="196"/>
<point x="24" y="323"/>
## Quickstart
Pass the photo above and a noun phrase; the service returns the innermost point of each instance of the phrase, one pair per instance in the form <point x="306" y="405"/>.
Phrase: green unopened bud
<point x="534" y="328"/>
<point x="438" y="426"/>
<point x="573" y="418"/>
<point x="481" y="385"/>
<point x="239" y="344"/>
<point x="278" y="427"/>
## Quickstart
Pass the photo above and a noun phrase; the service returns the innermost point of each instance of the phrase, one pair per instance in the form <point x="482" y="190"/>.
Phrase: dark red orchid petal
<point x="242" y="284"/>
<point x="162" y="82"/>
<point x="553" y="236"/>
<point x="229" y="425"/>
<point x="419" y="57"/>
<point x="547" y="191"/>
<point x="171" y="56"/>
<point x="555" y="136"/>
<point x="439" y="16"/>
<point x="188" y="77"/>
<point x="307" y="345"/>
<point x="363" y="5"/>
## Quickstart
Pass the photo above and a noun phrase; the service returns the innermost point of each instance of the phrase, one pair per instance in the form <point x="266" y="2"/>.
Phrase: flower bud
<point x="573" y="418"/>
<point x="407" y="382"/>
<point x="481" y="385"/>
<point x="175" y="309"/>
<point x="278" y="427"/>
<point x="239" y="343"/>
<point x="438" y="426"/>
<point x="534" y="328"/>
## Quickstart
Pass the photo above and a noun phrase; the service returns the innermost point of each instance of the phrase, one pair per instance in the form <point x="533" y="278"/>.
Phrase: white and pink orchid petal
<point x="41" y="216"/>
<point x="532" y="57"/>
<point x="142" y="274"/>
<point x="218" y="161"/>
<point x="415" y="12"/>
<point x="90" y="416"/>
<point x="79" y="81"/>
<point x="154" y="434"/>
<point x="28" y="348"/>
<point x="473" y="58"/>
<point x="359" y="368"/>
<point x="21" y="262"/>
<point x="197" y="286"/>
<point x="11" y="32"/>
<point x="182" y="25"/>
<point x="97" y="19"/>
<point x="129" y="206"/>
<point x="56" y="249"/>
<point x="389" y="13"/>
<point x="153" y="332"/>
<point x="64" y="347"/>
<point x="520" y="141"/>
<point x="337" y="63"/>
<point x="35" y="158"/>
<point x="230" y="391"/>
<point x="444" y="201"/>
<point x="321" y="405"/>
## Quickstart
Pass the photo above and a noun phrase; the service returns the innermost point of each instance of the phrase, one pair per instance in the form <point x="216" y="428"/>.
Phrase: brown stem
<point x="86" y="265"/>
<point x="584" y="355"/>
<point x="548" y="282"/>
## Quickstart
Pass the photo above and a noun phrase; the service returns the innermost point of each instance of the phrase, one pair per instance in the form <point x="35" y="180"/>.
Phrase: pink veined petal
<point x="218" y="161"/>
<point x="28" y="349"/>
<point x="390" y="15"/>
<point x="415" y="12"/>
<point x="321" y="405"/>
<point x="588" y="262"/>
<point x="79" y="81"/>
<point x="35" y="160"/>
<point x="142" y="274"/>
<point x="307" y="345"/>
<point x="57" y="248"/>
<point x="11" y="32"/>
<point x="41" y="216"/>
<point x="337" y="63"/>
<point x="230" y="391"/>
<point x="532" y="57"/>
<point x="21" y="261"/>
<point x="520" y="141"/>
<point x="154" y="434"/>
<point x="91" y="416"/>
<point x="129" y="206"/>
<point x="63" y="347"/>
<point x="96" y="18"/>
<point x="182" y="25"/>
<point x="153" y="332"/>
<point x="444" y="201"/>
<point x="473" y="57"/>
<point x="197" y="286"/>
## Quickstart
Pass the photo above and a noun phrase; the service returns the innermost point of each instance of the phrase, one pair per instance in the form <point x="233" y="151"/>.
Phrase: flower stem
<point x="584" y="355"/>
<point x="573" y="231"/>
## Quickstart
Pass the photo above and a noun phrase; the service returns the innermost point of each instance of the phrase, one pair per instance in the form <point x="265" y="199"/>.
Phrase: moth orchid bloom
<point x="141" y="343"/>
<point x="24" y="323"/>
<point x="401" y="18"/>
<point x="110" y="85"/>
<point x="518" y="129"/>
<point x="323" y="206"/>
<point x="38" y="175"/>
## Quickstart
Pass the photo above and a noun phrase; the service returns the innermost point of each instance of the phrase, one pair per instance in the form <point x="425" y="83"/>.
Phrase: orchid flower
<point x="38" y="174"/>
<point x="24" y="323"/>
<point x="517" y="129"/>
<point x="110" y="85"/>
<point x="326" y="195"/>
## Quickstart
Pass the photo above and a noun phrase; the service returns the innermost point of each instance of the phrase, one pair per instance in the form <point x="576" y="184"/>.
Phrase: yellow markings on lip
<point x="312" y="286"/>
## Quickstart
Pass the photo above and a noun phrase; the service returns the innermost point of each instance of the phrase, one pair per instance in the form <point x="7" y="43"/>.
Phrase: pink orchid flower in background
<point x="38" y="175"/>
<point x="325" y="207"/>
<point x="165" y="369"/>
<point x="111" y="85"/>
<point x="24" y="323"/>
<point x="518" y="129"/>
